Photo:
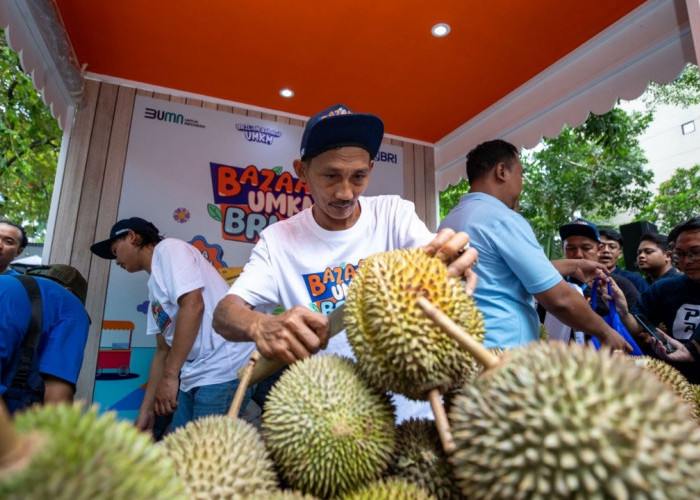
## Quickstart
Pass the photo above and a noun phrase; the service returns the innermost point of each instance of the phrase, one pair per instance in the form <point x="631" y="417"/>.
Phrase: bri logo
<point x="256" y="133"/>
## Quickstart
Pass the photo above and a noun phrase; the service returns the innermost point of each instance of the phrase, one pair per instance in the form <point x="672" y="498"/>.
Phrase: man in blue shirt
<point x="13" y="240"/>
<point x="512" y="265"/>
<point x="56" y="361"/>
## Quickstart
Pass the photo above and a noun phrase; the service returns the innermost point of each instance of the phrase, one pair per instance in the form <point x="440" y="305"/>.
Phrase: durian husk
<point x="327" y="430"/>
<point x="87" y="456"/>
<point x="544" y="333"/>
<point x="670" y="376"/>
<point x="398" y="348"/>
<point x="390" y="489"/>
<point x="419" y="458"/>
<point x="221" y="457"/>
<point x="563" y="421"/>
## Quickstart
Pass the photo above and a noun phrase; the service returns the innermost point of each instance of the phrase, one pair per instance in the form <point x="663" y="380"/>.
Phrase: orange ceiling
<point x="373" y="55"/>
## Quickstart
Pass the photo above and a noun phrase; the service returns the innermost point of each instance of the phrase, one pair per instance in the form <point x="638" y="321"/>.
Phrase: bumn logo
<point x="166" y="116"/>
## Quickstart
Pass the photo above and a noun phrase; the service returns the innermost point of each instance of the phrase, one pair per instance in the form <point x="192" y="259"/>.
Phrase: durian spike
<point x="441" y="423"/>
<point x="243" y="382"/>
<point x="459" y="335"/>
<point x="16" y="451"/>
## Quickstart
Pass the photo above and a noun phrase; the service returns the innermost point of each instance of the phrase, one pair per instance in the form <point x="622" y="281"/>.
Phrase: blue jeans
<point x="206" y="400"/>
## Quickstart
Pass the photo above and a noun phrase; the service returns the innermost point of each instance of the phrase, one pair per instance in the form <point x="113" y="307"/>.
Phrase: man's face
<point x="336" y="178"/>
<point x="581" y="247"/>
<point x="650" y="257"/>
<point x="515" y="183"/>
<point x="610" y="252"/>
<point x="10" y="239"/>
<point x="126" y="252"/>
<point x="688" y="243"/>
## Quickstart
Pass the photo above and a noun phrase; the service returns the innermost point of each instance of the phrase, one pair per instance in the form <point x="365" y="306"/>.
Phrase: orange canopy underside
<point x="375" y="56"/>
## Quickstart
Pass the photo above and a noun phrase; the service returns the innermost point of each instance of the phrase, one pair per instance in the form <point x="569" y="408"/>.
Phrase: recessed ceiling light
<point x="287" y="93"/>
<point x="440" y="30"/>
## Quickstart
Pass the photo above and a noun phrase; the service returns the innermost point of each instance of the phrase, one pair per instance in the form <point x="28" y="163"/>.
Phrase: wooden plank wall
<point x="89" y="199"/>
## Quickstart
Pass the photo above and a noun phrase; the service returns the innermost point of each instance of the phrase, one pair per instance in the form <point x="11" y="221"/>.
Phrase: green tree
<point x="30" y="141"/>
<point x="678" y="200"/>
<point x="451" y="195"/>
<point x="595" y="170"/>
<point x="684" y="91"/>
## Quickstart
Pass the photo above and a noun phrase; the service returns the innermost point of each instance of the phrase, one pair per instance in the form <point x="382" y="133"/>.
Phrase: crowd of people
<point x="206" y="331"/>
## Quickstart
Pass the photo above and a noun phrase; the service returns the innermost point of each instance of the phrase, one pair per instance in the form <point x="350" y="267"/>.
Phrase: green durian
<point x="398" y="348"/>
<point x="328" y="432"/>
<point x="390" y="489"/>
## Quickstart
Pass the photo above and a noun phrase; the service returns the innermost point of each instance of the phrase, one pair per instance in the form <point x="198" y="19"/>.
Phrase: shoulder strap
<point x="31" y="340"/>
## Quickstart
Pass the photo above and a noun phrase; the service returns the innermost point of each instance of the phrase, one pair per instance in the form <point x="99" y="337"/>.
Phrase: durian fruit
<point x="327" y="431"/>
<point x="670" y="376"/>
<point x="86" y="456"/>
<point x="221" y="457"/>
<point x="544" y="333"/>
<point x="419" y="459"/>
<point x="696" y="393"/>
<point x="390" y="489"/>
<point x="560" y="421"/>
<point x="398" y="348"/>
<point x="285" y="495"/>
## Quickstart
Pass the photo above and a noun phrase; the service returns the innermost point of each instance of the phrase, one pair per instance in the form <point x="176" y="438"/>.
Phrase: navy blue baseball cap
<point x="580" y="227"/>
<point x="339" y="126"/>
<point x="104" y="248"/>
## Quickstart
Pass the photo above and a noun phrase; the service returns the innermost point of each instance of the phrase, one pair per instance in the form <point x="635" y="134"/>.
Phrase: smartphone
<point x="651" y="330"/>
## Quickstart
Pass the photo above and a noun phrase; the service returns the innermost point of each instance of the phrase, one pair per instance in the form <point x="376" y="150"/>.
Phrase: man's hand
<point x="451" y="248"/>
<point x="615" y="342"/>
<point x="145" y="419"/>
<point x="681" y="354"/>
<point x="165" y="402"/>
<point x="292" y="335"/>
<point x="583" y="270"/>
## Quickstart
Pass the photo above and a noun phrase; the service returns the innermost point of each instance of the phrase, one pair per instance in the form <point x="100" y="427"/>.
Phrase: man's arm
<point x="189" y="319"/>
<point x="583" y="270"/>
<point x="145" y="418"/>
<point x="57" y="390"/>
<point x="573" y="310"/>
<point x="294" y="334"/>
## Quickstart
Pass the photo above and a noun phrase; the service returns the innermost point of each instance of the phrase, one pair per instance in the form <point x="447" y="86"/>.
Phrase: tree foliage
<point x="451" y="195"/>
<point x="677" y="201"/>
<point x="30" y="141"/>
<point x="594" y="171"/>
<point x="684" y="91"/>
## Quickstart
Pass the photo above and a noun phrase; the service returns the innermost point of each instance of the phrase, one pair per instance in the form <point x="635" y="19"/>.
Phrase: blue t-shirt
<point x="512" y="267"/>
<point x="64" y="331"/>
<point x="9" y="272"/>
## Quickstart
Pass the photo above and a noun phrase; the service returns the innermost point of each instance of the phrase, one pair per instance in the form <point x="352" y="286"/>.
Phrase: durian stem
<point x="456" y="332"/>
<point x="441" y="422"/>
<point x="243" y="382"/>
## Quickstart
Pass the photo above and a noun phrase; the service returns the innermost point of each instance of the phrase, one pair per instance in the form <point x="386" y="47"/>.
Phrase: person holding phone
<point x="675" y="302"/>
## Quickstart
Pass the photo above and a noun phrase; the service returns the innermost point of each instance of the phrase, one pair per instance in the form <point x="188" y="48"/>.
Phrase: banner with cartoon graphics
<point x="211" y="178"/>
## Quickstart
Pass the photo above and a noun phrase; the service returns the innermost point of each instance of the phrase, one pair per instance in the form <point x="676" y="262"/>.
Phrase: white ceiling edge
<point x="653" y="43"/>
<point x="24" y="37"/>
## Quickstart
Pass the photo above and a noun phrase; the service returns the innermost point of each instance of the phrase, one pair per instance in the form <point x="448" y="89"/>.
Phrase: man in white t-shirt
<point x="194" y="370"/>
<point x="306" y="262"/>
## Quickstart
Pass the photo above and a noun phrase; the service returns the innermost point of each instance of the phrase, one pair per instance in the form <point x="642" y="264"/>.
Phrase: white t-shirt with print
<point x="176" y="269"/>
<point x="297" y="262"/>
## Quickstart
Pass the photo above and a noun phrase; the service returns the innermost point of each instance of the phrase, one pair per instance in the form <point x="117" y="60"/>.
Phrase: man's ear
<point x="300" y="169"/>
<point x="500" y="171"/>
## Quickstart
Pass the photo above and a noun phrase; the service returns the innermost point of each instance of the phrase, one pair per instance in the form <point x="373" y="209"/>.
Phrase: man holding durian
<point x="305" y="263"/>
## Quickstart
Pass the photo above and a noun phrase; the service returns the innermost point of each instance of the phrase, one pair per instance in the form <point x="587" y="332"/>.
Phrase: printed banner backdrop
<point x="211" y="178"/>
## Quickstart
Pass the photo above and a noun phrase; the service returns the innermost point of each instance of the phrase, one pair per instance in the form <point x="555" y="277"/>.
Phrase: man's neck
<point x="656" y="274"/>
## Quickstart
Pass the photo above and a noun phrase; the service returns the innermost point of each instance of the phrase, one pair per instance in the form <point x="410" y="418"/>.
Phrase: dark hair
<point x="148" y="236"/>
<point x="483" y="158"/>
<point x="611" y="234"/>
<point x="692" y="224"/>
<point x="660" y="240"/>
<point x="23" y="241"/>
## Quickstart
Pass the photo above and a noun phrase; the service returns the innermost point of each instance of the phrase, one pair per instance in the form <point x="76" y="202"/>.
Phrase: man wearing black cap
<point x="305" y="263"/>
<point x="581" y="240"/>
<point x="43" y="338"/>
<point x="194" y="370"/>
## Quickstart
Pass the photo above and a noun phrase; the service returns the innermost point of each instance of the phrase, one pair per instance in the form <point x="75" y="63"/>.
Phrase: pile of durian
<point x="547" y="420"/>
